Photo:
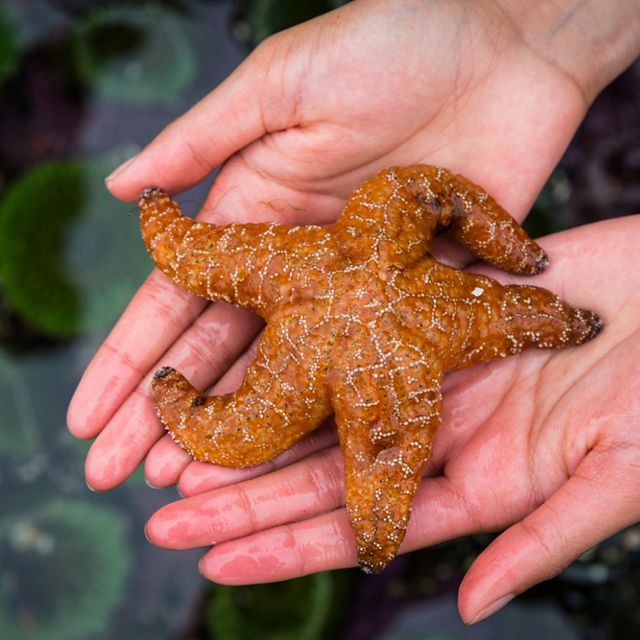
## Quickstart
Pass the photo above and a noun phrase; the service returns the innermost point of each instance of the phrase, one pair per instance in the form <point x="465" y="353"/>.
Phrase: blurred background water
<point x="83" y="85"/>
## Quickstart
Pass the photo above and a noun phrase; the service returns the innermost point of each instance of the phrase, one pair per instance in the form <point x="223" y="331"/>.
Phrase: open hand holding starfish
<point x="362" y="321"/>
<point x="304" y="120"/>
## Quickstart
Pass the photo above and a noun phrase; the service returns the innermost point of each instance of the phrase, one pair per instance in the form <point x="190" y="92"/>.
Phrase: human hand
<point x="302" y="121"/>
<point x="544" y="444"/>
<point x="476" y="130"/>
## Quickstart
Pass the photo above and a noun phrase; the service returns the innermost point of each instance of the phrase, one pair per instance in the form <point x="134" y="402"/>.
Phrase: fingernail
<point x="201" y="566"/>
<point x="146" y="534"/>
<point x="120" y="170"/>
<point x="492" y="608"/>
<point x="151" y="486"/>
<point x="91" y="488"/>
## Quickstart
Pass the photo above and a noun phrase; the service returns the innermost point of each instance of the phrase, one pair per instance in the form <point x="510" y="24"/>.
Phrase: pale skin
<point x="544" y="444"/>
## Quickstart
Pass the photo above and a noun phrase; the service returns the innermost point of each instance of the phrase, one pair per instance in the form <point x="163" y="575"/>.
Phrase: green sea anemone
<point x="134" y="55"/>
<point x="301" y="609"/>
<point x="266" y="17"/>
<point x="8" y="47"/>
<point x="19" y="430"/>
<point x="62" y="571"/>
<point x="70" y="256"/>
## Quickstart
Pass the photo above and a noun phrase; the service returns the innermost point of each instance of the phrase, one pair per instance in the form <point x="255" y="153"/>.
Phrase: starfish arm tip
<point x="149" y="192"/>
<point x="592" y="322"/>
<point x="369" y="569"/>
<point x="541" y="264"/>
<point x="163" y="373"/>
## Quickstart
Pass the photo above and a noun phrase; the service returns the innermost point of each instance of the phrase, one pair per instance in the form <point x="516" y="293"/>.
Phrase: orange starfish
<point x="361" y="321"/>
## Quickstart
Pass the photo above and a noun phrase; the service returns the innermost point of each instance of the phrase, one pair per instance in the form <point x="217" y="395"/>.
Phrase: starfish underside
<point x="362" y="321"/>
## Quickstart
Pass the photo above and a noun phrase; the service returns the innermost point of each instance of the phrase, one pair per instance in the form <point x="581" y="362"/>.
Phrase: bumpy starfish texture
<point x="362" y="321"/>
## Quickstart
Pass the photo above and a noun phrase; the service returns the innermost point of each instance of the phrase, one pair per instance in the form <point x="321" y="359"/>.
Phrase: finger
<point x="200" y="477"/>
<point x="121" y="362"/>
<point x="119" y="448"/>
<point x="326" y="541"/>
<point x="310" y="486"/>
<point x="189" y="148"/>
<point x="598" y="500"/>
<point x="164" y="463"/>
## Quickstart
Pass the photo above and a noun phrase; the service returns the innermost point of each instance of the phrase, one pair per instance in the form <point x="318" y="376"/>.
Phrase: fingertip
<point x="488" y="610"/>
<point x="180" y="525"/>
<point x="92" y="404"/>
<point x="75" y="425"/>
<point x="184" y="487"/>
<point x="91" y="488"/>
<point x="113" y="179"/>
<point x="164" y="463"/>
<point x="470" y="599"/>
<point x="78" y="423"/>
<point x="135" y="175"/>
<point x="197" y="478"/>
<point x="489" y="584"/>
<point x="97" y="484"/>
<point x="95" y="477"/>
<point x="226" y="565"/>
<point x="154" y="530"/>
<point x="103" y="469"/>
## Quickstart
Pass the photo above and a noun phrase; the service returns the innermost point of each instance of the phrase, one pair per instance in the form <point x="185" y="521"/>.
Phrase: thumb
<point x="597" y="501"/>
<point x="248" y="104"/>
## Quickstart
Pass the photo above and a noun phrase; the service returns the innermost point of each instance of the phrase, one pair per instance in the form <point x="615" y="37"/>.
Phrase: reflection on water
<point x="81" y="89"/>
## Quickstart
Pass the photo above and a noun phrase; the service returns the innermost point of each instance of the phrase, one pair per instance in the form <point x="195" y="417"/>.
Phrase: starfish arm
<point x="475" y="220"/>
<point x="386" y="397"/>
<point x="472" y="318"/>
<point x="282" y="398"/>
<point x="504" y="320"/>
<point x="393" y="218"/>
<point x="249" y="265"/>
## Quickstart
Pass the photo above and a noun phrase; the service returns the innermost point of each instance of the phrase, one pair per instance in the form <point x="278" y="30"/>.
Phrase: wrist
<point x="591" y="42"/>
